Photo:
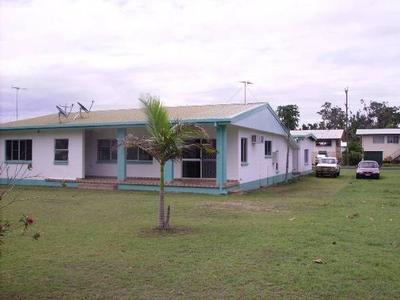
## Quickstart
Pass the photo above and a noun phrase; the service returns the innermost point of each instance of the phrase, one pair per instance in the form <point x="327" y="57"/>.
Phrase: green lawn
<point x="100" y="244"/>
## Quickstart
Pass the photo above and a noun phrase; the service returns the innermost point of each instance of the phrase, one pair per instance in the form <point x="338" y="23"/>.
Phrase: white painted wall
<point x="109" y="169"/>
<point x="305" y="144"/>
<point x="262" y="120"/>
<point x="333" y="149"/>
<point x="388" y="149"/>
<point x="83" y="154"/>
<point x="145" y="170"/>
<point x="259" y="166"/>
<point x="43" y="153"/>
<point x="92" y="167"/>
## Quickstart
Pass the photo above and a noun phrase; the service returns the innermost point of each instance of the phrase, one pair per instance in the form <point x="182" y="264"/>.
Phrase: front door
<point x="198" y="163"/>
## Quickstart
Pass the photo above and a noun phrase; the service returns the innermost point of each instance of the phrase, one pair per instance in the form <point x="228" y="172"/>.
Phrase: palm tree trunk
<point x="287" y="158"/>
<point x="161" y="213"/>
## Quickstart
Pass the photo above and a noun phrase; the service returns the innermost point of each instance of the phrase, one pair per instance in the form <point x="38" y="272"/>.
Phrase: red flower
<point x="29" y="220"/>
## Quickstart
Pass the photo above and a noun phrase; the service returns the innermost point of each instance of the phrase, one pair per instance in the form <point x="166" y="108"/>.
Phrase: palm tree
<point x="167" y="141"/>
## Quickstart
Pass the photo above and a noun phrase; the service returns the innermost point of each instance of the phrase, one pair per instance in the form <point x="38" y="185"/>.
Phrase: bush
<point x="354" y="157"/>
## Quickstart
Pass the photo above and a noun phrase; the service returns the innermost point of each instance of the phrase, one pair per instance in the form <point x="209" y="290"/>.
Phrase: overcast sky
<point x="195" y="52"/>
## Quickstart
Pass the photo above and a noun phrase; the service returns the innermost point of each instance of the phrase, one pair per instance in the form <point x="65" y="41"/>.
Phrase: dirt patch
<point x="173" y="231"/>
<point x="240" y="205"/>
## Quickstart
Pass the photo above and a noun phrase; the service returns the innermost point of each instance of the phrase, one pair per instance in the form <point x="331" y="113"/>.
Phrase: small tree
<point x="21" y="171"/>
<point x="289" y="115"/>
<point x="167" y="141"/>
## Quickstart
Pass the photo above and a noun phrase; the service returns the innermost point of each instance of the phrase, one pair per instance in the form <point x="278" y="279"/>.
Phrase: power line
<point x="255" y="98"/>
<point x="237" y="91"/>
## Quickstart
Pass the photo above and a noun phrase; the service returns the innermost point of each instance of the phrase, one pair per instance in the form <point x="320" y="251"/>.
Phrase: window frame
<point x="27" y="155"/>
<point x="138" y="159"/>
<point x="112" y="144"/>
<point x="375" y="139"/>
<point x="306" y="157"/>
<point x="392" y="139"/>
<point x="323" y="143"/>
<point x="244" y="145"/>
<point x="202" y="157"/>
<point x="268" y="150"/>
<point x="61" y="161"/>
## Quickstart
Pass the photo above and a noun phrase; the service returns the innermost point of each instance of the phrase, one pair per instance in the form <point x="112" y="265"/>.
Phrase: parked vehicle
<point x="368" y="169"/>
<point x="320" y="154"/>
<point x="327" y="166"/>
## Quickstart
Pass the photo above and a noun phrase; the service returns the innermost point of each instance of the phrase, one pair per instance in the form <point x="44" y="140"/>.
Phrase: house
<point x="84" y="150"/>
<point x="328" y="142"/>
<point x="380" y="144"/>
<point x="302" y="158"/>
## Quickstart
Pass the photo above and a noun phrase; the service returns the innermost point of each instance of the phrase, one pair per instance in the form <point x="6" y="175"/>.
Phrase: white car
<point x="327" y="166"/>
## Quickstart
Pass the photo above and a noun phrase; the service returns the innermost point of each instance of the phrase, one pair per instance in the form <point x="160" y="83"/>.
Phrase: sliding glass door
<point x="197" y="162"/>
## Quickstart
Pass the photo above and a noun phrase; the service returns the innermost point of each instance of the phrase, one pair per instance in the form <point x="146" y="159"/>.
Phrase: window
<point x="324" y="143"/>
<point x="328" y="160"/>
<point x="306" y="156"/>
<point x="197" y="162"/>
<point x="368" y="164"/>
<point x="137" y="154"/>
<point x="107" y="150"/>
<point x="243" y="150"/>
<point x="18" y="150"/>
<point x="61" y="150"/>
<point x="378" y="139"/>
<point x="268" y="148"/>
<point x="392" y="139"/>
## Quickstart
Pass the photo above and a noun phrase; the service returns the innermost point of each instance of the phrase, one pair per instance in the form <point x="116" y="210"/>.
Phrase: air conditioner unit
<point x="257" y="139"/>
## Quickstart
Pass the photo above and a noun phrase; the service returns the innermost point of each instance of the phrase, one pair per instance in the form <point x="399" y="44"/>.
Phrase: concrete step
<point x="97" y="186"/>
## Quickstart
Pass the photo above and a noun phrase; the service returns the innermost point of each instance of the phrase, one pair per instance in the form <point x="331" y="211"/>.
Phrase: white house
<point x="83" y="149"/>
<point x="380" y="144"/>
<point x="302" y="158"/>
<point x="329" y="142"/>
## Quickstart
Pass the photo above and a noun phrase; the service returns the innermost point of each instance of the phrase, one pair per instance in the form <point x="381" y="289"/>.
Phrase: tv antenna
<point x="246" y="83"/>
<point x="17" y="89"/>
<point x="83" y="108"/>
<point x="63" y="111"/>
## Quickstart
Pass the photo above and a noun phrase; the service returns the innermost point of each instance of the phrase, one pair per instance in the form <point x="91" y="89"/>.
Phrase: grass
<point x="101" y="244"/>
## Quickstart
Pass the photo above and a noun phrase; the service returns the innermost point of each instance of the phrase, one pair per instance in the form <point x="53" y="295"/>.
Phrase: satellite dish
<point x="61" y="112"/>
<point x="82" y="107"/>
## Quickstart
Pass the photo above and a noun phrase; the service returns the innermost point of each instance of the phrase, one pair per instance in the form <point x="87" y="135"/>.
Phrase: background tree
<point x="310" y="126"/>
<point x="333" y="117"/>
<point x="290" y="116"/>
<point x="381" y="115"/>
<point x="167" y="141"/>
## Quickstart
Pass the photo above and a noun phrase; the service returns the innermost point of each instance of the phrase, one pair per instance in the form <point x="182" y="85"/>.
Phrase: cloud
<point x="302" y="52"/>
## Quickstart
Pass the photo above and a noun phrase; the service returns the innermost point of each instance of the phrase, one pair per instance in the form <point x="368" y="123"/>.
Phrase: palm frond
<point x="167" y="139"/>
<point x="157" y="117"/>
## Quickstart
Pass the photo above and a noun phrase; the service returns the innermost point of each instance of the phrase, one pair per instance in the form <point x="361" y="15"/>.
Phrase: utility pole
<point x="17" y="89"/>
<point x="346" y="91"/>
<point x="246" y="83"/>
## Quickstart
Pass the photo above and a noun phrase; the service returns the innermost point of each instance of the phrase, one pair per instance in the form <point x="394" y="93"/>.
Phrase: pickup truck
<point x="327" y="166"/>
